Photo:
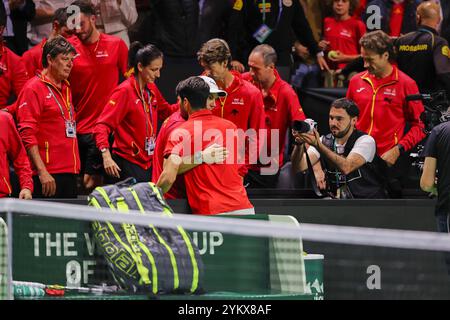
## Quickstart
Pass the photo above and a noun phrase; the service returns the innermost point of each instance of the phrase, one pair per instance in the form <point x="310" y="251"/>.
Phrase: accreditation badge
<point x="262" y="33"/>
<point x="71" y="129"/>
<point x="150" y="145"/>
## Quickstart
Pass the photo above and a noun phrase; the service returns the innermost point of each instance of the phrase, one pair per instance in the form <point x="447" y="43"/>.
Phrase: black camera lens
<point x="301" y="126"/>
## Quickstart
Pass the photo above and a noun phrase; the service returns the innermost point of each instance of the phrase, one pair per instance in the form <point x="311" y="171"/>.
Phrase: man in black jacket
<point x="172" y="26"/>
<point x="423" y="54"/>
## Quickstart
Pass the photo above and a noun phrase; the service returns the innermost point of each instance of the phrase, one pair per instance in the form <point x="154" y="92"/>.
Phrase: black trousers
<point x="396" y="176"/>
<point x="129" y="170"/>
<point x="90" y="156"/>
<point x="66" y="186"/>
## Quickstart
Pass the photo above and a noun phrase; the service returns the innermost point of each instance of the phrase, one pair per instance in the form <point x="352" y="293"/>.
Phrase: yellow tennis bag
<point x="145" y="259"/>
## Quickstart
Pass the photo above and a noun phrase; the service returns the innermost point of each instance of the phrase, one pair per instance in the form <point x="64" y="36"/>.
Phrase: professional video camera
<point x="436" y="106"/>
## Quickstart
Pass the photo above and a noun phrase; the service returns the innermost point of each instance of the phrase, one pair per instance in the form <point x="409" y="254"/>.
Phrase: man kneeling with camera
<point x="348" y="156"/>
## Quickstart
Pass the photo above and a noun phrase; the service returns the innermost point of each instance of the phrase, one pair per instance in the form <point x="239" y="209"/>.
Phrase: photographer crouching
<point x="348" y="156"/>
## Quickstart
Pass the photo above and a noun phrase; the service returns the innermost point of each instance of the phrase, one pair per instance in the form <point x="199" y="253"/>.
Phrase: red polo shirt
<point x="32" y="59"/>
<point x="13" y="77"/>
<point x="215" y="188"/>
<point x="11" y="149"/>
<point x="178" y="189"/>
<point x="132" y="118"/>
<point x="384" y="110"/>
<point x="95" y="74"/>
<point x="41" y="122"/>
<point x="343" y="36"/>
<point x="282" y="107"/>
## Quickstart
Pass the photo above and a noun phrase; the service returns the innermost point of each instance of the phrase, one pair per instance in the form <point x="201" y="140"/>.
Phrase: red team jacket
<point x="32" y="59"/>
<point x="384" y="110"/>
<point x="281" y="107"/>
<point x="13" y="77"/>
<point x="11" y="148"/>
<point x="41" y="123"/>
<point x="244" y="107"/>
<point x="124" y="115"/>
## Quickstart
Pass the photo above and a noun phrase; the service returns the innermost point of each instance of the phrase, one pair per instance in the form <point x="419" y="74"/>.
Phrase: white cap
<point x="213" y="88"/>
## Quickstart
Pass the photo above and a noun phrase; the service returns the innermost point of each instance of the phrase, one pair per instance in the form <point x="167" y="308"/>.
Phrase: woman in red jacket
<point x="46" y="122"/>
<point x="132" y="115"/>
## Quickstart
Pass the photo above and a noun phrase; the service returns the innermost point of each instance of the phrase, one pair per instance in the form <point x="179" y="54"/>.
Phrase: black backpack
<point x="145" y="259"/>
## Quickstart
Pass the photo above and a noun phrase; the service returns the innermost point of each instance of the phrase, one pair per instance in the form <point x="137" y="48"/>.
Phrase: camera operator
<point x="423" y="54"/>
<point x="352" y="168"/>
<point x="437" y="157"/>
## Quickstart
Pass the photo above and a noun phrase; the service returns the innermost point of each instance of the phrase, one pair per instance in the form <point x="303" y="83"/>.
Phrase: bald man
<point x="424" y="55"/>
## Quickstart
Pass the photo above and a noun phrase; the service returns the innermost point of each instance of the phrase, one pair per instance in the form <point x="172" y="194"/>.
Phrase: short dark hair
<point x="215" y="50"/>
<point x="195" y="90"/>
<point x="268" y="53"/>
<point x="61" y="16"/>
<point x="86" y="7"/>
<point x="378" y="42"/>
<point x="348" y="105"/>
<point x="143" y="54"/>
<point x="54" y="47"/>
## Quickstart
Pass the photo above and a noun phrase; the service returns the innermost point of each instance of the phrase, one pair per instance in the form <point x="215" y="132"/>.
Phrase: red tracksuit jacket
<point x="384" y="110"/>
<point x="41" y="123"/>
<point x="124" y="115"/>
<point x="11" y="148"/>
<point x="13" y="77"/>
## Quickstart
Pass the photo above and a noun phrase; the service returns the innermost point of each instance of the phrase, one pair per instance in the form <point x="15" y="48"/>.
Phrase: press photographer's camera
<point x="306" y="126"/>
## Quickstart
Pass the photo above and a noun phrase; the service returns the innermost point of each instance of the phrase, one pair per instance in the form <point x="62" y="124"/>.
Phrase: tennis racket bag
<point x="145" y="259"/>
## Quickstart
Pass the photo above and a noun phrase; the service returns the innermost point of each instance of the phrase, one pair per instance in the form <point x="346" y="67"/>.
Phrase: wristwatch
<point x="103" y="150"/>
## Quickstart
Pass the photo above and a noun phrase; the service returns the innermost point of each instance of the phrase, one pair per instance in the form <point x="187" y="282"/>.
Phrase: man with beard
<point x="100" y="62"/>
<point x="381" y="94"/>
<point x="352" y="168"/>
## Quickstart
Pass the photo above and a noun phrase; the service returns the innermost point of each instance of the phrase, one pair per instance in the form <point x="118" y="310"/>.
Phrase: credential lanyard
<point x="280" y="10"/>
<point x="60" y="107"/>
<point x="145" y="112"/>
